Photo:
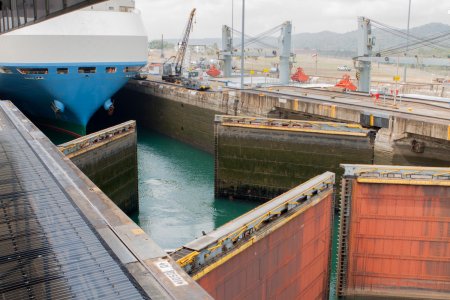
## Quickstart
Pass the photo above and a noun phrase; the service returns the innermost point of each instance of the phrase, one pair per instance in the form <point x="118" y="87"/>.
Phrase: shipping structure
<point x="394" y="232"/>
<point x="279" y="250"/>
<point x="61" y="71"/>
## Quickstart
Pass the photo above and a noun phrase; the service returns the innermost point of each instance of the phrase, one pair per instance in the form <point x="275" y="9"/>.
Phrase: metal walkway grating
<point x="47" y="249"/>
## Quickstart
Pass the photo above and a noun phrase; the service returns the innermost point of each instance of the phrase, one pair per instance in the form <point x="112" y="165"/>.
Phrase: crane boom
<point x="183" y="44"/>
<point x="172" y="68"/>
<point x="191" y="82"/>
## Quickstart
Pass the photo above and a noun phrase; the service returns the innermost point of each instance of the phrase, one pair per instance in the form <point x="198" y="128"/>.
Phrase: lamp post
<point x="242" y="44"/>
<point x="407" y="40"/>
<point x="232" y="22"/>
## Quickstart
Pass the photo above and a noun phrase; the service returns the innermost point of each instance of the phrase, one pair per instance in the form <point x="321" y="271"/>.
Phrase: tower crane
<point x="172" y="68"/>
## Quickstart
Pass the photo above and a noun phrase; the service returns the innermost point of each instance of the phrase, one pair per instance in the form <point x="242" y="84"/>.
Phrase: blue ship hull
<point x="62" y="95"/>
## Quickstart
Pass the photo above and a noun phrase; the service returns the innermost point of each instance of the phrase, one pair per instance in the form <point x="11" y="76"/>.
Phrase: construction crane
<point x="172" y="68"/>
<point x="365" y="57"/>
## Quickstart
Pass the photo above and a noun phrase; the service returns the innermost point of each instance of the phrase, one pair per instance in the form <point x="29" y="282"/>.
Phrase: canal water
<point x="176" y="191"/>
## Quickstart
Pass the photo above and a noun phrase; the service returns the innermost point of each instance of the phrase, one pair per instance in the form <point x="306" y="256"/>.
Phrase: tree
<point x="156" y="44"/>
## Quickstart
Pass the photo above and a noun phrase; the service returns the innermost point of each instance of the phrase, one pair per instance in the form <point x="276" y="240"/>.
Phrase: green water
<point x="176" y="192"/>
<point x="56" y="137"/>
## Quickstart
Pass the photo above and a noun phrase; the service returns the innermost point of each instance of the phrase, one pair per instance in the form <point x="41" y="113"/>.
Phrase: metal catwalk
<point x="47" y="249"/>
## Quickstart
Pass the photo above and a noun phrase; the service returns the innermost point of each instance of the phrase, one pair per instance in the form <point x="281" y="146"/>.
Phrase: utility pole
<point x="316" y="64"/>
<point x="162" y="45"/>
<point x="407" y="40"/>
<point x="396" y="84"/>
<point x="232" y="22"/>
<point x="242" y="46"/>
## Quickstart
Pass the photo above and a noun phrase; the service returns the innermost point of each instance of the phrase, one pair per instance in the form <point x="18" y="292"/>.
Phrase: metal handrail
<point x="101" y="136"/>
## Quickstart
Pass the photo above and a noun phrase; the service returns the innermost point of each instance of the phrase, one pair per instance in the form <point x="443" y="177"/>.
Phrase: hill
<point x="345" y="44"/>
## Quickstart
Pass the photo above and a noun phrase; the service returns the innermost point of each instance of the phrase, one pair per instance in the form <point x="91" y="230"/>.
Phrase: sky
<point x="169" y="17"/>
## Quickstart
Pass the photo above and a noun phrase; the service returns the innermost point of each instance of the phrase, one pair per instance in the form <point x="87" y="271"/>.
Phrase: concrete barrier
<point x="109" y="158"/>
<point x="415" y="135"/>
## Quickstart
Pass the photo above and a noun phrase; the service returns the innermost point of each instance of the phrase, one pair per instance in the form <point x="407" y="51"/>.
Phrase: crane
<point x="365" y="56"/>
<point x="169" y="67"/>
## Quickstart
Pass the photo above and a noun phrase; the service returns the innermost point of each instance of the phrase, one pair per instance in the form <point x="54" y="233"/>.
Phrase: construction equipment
<point x="300" y="76"/>
<point x="195" y="82"/>
<point x="172" y="68"/>
<point x="346" y="83"/>
<point x="283" y="48"/>
<point x="213" y="71"/>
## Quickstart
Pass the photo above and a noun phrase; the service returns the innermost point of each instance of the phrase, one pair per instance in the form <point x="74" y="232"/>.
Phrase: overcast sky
<point x="169" y="17"/>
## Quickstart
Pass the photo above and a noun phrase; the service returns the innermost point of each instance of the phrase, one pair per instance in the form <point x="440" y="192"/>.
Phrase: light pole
<point x="407" y="40"/>
<point x="232" y="22"/>
<point x="242" y="44"/>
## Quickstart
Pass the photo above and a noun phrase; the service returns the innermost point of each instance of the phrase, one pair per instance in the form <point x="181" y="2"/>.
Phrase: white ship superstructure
<point x="64" y="69"/>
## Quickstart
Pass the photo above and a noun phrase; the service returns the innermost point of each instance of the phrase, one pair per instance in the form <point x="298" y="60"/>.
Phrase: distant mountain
<point x="345" y="44"/>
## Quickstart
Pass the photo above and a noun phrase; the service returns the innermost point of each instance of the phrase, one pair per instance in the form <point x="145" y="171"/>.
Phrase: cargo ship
<point x="61" y="71"/>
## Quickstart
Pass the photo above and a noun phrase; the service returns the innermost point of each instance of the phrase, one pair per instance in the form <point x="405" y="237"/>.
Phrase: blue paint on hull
<point x="81" y="93"/>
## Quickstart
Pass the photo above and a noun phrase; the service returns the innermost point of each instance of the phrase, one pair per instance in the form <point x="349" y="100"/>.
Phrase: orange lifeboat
<point x="346" y="83"/>
<point x="300" y="76"/>
<point x="213" y="72"/>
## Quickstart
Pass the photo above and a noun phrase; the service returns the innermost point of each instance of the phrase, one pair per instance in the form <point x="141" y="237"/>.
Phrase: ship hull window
<point x="84" y="70"/>
<point x="62" y="71"/>
<point x="131" y="69"/>
<point x="33" y="71"/>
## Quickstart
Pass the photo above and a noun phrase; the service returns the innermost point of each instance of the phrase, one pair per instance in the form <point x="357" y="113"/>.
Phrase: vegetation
<point x="156" y="44"/>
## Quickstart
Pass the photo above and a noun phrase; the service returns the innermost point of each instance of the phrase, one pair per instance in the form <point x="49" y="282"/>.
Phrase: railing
<point x="292" y="125"/>
<point x="16" y="14"/>
<point x="398" y="174"/>
<point x="84" y="142"/>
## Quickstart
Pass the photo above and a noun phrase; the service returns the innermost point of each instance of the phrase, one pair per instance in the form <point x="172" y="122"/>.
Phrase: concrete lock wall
<point x="179" y="113"/>
<point x="112" y="166"/>
<point x="410" y="150"/>
<point x="188" y="115"/>
<point x="262" y="163"/>
<point x="398" y="238"/>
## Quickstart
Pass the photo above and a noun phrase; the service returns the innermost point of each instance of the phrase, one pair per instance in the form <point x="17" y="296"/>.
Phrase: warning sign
<point x="170" y="273"/>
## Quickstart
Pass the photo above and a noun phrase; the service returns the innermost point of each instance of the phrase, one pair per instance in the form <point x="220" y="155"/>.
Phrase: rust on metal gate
<point x="395" y="232"/>
<point x="280" y="249"/>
